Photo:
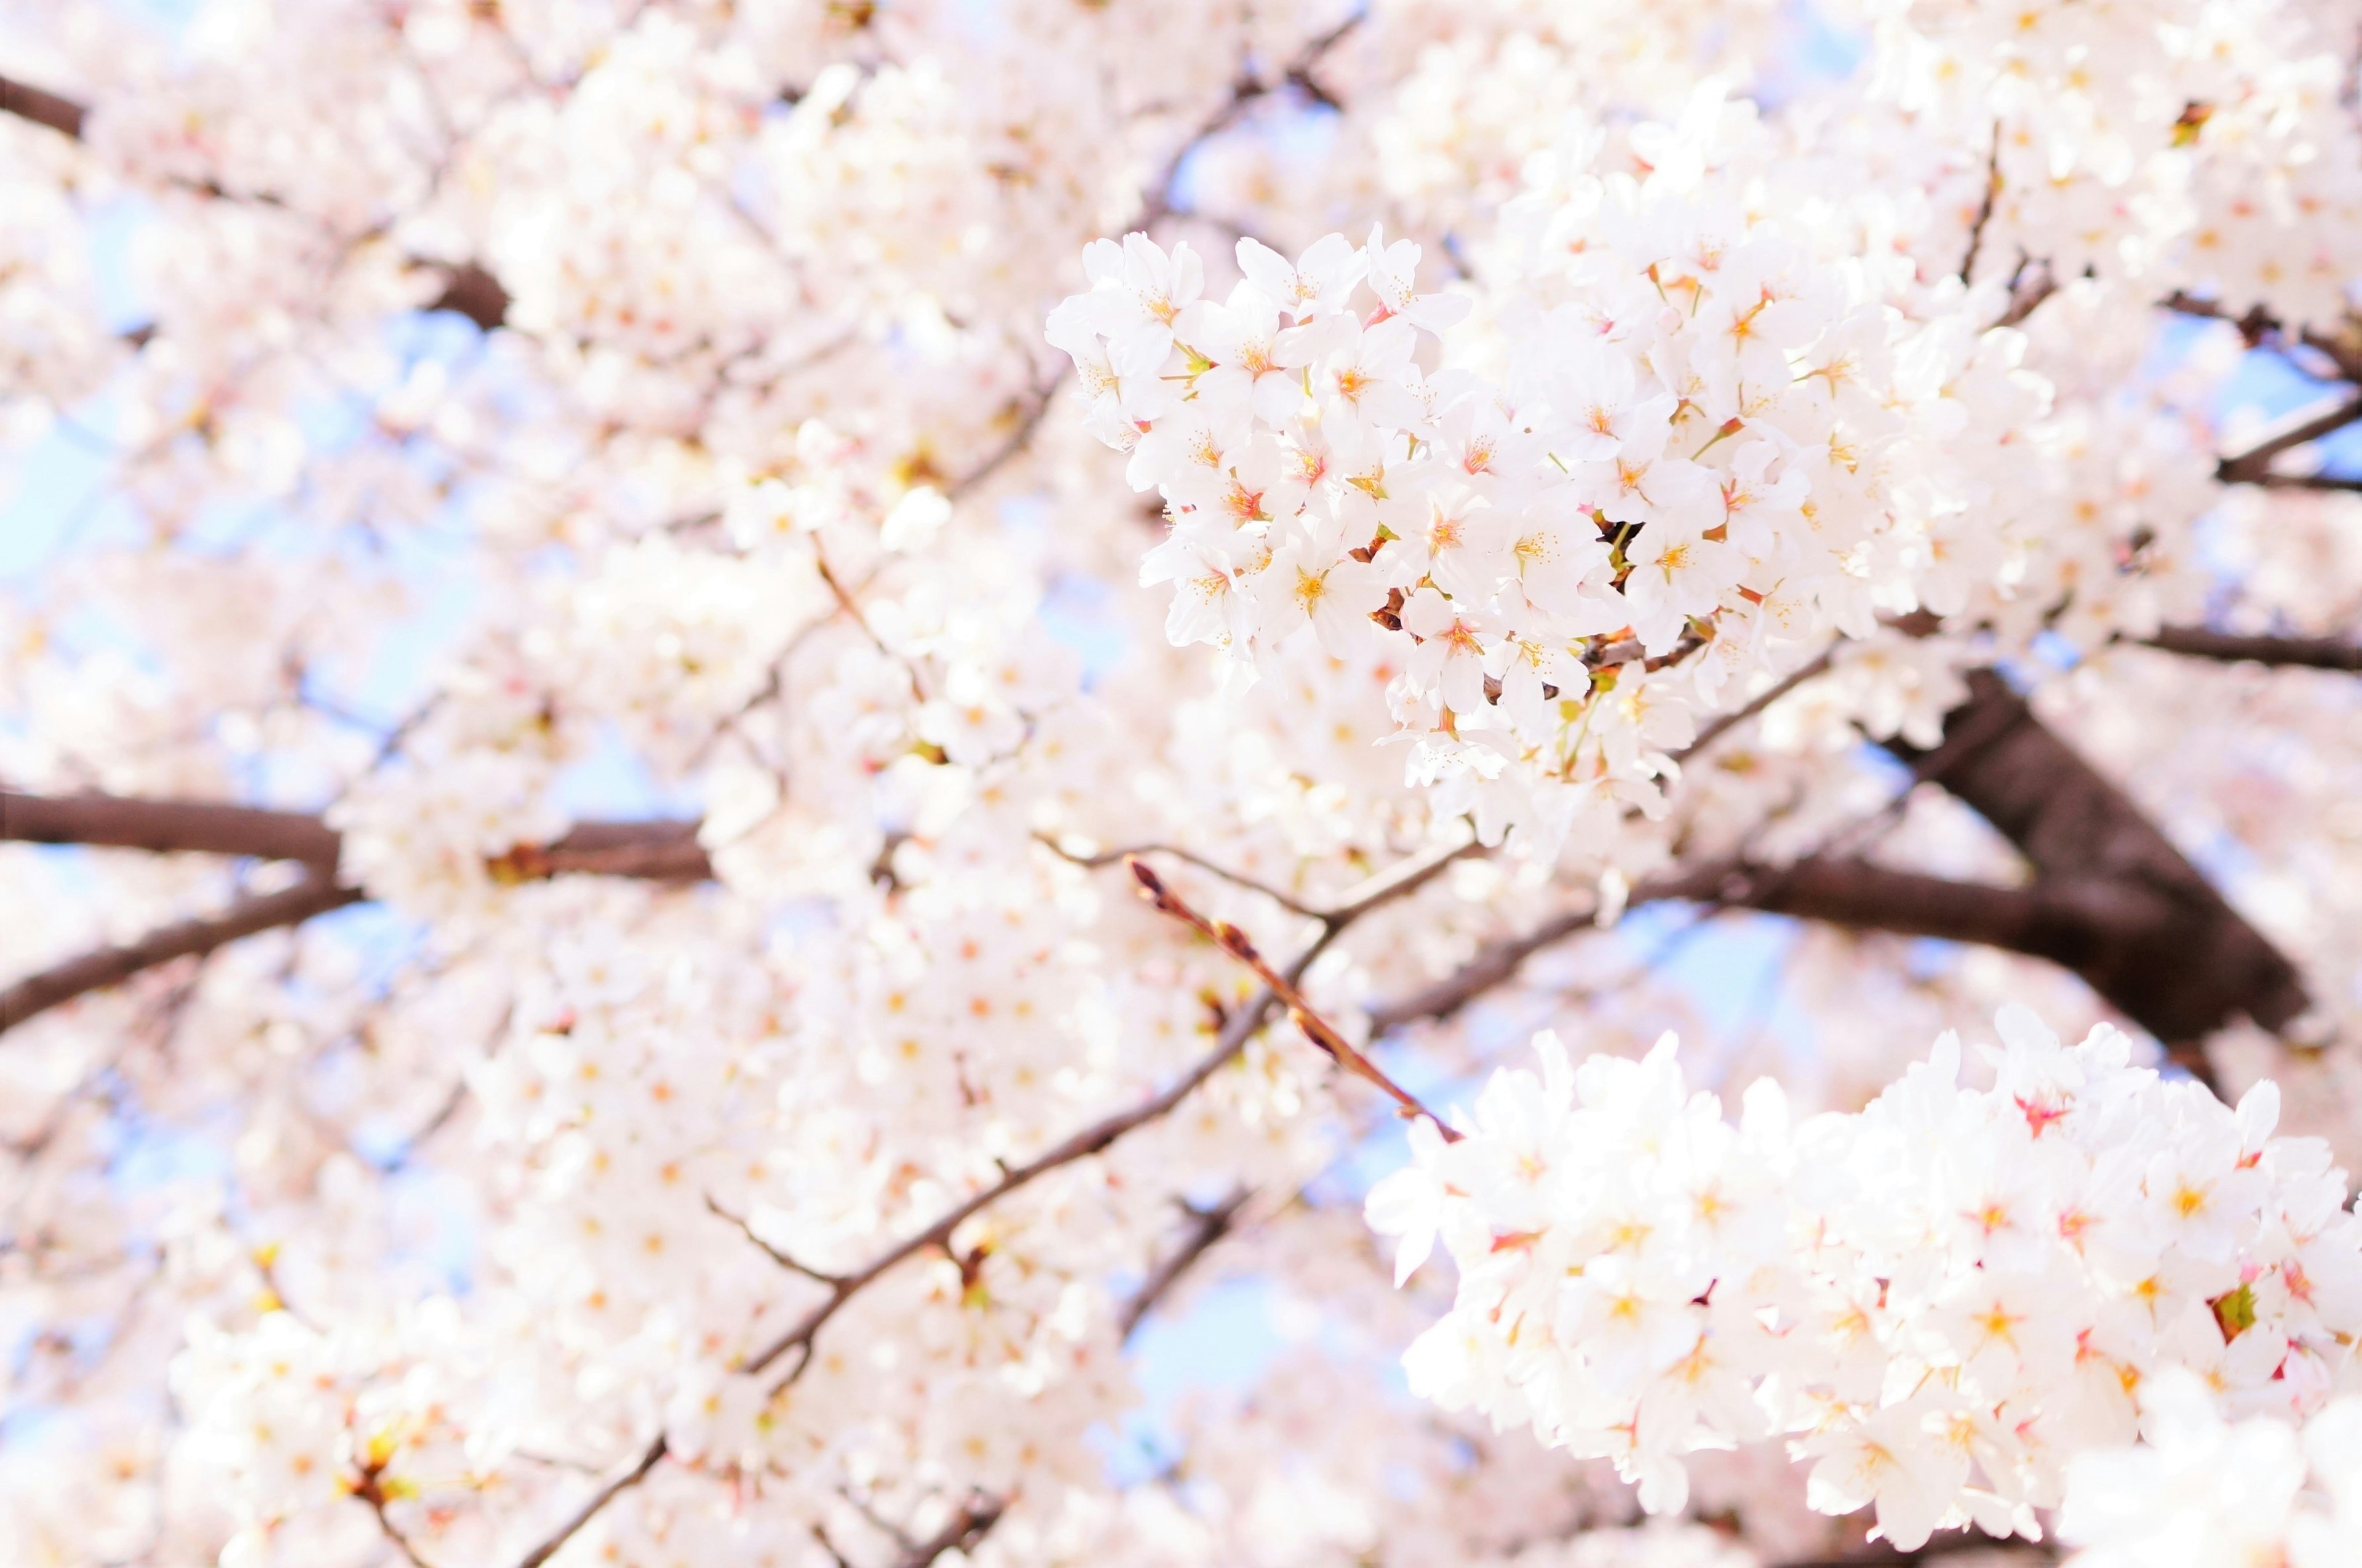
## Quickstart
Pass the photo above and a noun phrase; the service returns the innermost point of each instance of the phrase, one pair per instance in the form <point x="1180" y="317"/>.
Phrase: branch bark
<point x="2253" y="466"/>
<point x="961" y="1533"/>
<point x="44" y="108"/>
<point x="2111" y="900"/>
<point x="35" y="994"/>
<point x="2162" y="945"/>
<point x="2307" y="653"/>
<point x="203" y="827"/>
<point x="468" y="288"/>
<point x="659" y="851"/>
<point x="1207" y="1228"/>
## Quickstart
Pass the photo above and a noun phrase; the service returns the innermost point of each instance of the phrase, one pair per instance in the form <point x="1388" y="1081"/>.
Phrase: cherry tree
<point x="732" y="739"/>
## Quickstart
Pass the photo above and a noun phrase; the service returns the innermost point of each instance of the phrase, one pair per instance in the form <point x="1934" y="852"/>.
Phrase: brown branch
<point x="468" y="288"/>
<point x="1315" y="1028"/>
<point x="1019" y="437"/>
<point x="2327" y="483"/>
<point x="1090" y="1140"/>
<point x="1496" y="963"/>
<point x="1951" y="1543"/>
<point x="1985" y="208"/>
<point x="1187" y="857"/>
<point x="961" y="1533"/>
<point x="370" y="1487"/>
<point x="2308" y="653"/>
<point x="167" y="826"/>
<point x="2259" y="325"/>
<point x="623" y="1482"/>
<point x="2254" y="465"/>
<point x="2111" y="900"/>
<point x="1244" y="91"/>
<point x="35" y="994"/>
<point x="1723" y="723"/>
<point x="2174" y="957"/>
<point x="474" y="293"/>
<point x="26" y="102"/>
<point x="783" y="1259"/>
<point x="1387" y="885"/>
<point x="1207" y="1227"/>
<point x="659" y="851"/>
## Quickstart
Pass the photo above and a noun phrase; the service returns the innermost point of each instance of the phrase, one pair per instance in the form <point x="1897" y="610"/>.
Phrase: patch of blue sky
<point x="614" y="781"/>
<point x="1223" y="1346"/>
<point x="1810" y="52"/>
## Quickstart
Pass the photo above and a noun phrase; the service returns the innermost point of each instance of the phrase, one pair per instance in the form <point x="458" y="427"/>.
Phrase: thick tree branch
<point x="468" y="288"/>
<point x="203" y="827"/>
<point x="2170" y="954"/>
<point x="35" y="994"/>
<point x="2308" y="653"/>
<point x="26" y="102"/>
<point x="659" y="851"/>
<point x="2111" y="900"/>
<point x="1951" y="1545"/>
<point x="2259" y="325"/>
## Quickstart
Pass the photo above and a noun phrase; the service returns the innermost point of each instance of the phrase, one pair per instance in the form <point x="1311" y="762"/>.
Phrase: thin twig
<point x="1207" y="1227"/>
<point x="961" y="1533"/>
<point x="1721" y="725"/>
<point x="1297" y="73"/>
<point x="774" y="1254"/>
<point x="1394" y="883"/>
<point x="1985" y="208"/>
<point x="1315" y="1028"/>
<point x="370" y="1489"/>
<point x="1018" y="438"/>
<point x="591" y="1505"/>
<point x="1187" y="857"/>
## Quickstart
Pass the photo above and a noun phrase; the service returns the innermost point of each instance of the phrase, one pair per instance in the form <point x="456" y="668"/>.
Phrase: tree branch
<point x="1297" y="73"/>
<point x="35" y="994"/>
<point x="468" y="288"/>
<point x="166" y="827"/>
<point x="1207" y="1227"/>
<point x="1498" y="961"/>
<point x="961" y="1533"/>
<point x="2308" y="653"/>
<point x="591" y="1505"/>
<point x="1387" y="885"/>
<point x="26" y="102"/>
<point x="657" y="851"/>
<point x="1723" y="723"/>
<point x="1315" y="1028"/>
<point x="2259" y="325"/>
<point x="2112" y="900"/>
<point x="980" y="1514"/>
<point x="472" y="292"/>
<point x="2171" y="954"/>
<point x="2254" y="465"/>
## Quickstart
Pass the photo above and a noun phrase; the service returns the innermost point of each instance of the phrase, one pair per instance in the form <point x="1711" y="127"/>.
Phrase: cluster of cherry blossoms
<point x="2200" y="1489"/>
<point x="1690" y="421"/>
<point x="1941" y="1299"/>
